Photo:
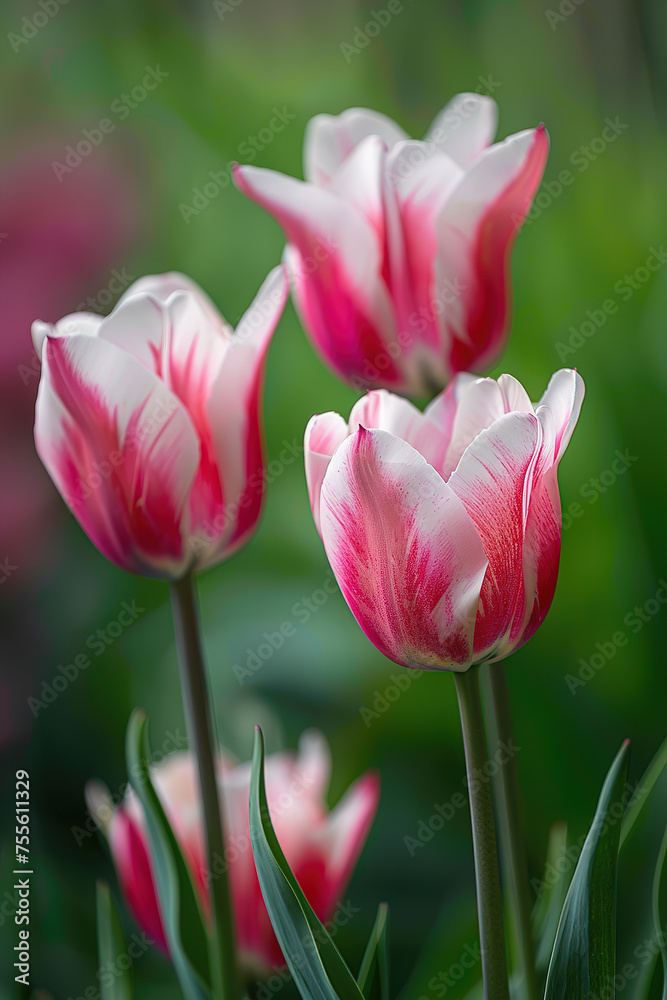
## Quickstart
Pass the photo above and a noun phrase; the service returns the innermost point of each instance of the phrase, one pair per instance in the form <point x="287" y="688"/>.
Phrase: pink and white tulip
<point x="443" y="528"/>
<point x="400" y="249"/>
<point x="149" y="422"/>
<point x="321" y="847"/>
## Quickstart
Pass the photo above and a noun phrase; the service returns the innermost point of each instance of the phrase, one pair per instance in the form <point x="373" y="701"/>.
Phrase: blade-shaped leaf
<point x="639" y="874"/>
<point x="373" y="978"/>
<point x="552" y="893"/>
<point x="657" y="919"/>
<point x="181" y="916"/>
<point x="584" y="956"/>
<point x="111" y="946"/>
<point x="317" y="967"/>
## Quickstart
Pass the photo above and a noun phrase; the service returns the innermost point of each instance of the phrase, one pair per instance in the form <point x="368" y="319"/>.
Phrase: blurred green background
<point x="572" y="66"/>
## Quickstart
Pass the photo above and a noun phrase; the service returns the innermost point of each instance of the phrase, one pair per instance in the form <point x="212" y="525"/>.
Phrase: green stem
<point x="201" y="732"/>
<point x="487" y="875"/>
<point x="510" y="825"/>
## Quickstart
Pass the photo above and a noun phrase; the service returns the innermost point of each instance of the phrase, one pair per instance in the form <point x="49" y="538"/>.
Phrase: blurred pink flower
<point x="321" y="847"/>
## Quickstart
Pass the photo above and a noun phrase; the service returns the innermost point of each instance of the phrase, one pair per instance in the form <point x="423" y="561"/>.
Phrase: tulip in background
<point x="149" y="422"/>
<point x="321" y="847"/>
<point x="400" y="249"/>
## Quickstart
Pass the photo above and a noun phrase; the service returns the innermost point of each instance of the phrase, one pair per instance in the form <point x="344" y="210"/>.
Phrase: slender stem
<point x="201" y="731"/>
<point x="487" y="875"/>
<point x="510" y="826"/>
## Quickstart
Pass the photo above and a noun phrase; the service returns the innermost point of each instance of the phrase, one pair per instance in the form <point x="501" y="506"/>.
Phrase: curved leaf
<point x="181" y="916"/>
<point x="373" y="978"/>
<point x="583" y="961"/>
<point x="111" y="946"/>
<point x="317" y="967"/>
<point x="639" y="874"/>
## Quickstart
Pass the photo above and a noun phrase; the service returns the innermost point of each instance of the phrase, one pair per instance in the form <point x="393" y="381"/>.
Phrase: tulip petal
<point x="359" y="182"/>
<point x="563" y="396"/>
<point x="342" y="837"/>
<point x="137" y="325"/>
<point x="133" y="866"/>
<point x="385" y="411"/>
<point x="405" y="553"/>
<point x="476" y="231"/>
<point x="420" y="179"/>
<point x="329" y="139"/>
<point x="493" y="480"/>
<point x="120" y="448"/>
<point x="465" y="126"/>
<point x="335" y="264"/>
<point x="324" y="433"/>
<point x="234" y="413"/>
<point x="84" y="323"/>
<point x="163" y="286"/>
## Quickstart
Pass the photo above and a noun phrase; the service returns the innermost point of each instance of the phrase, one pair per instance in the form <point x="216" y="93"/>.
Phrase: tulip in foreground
<point x="400" y="249"/>
<point x="149" y="422"/>
<point x="321" y="847"/>
<point x="443" y="528"/>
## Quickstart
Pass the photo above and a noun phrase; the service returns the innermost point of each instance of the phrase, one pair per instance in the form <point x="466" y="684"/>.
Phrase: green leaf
<point x="111" y="946"/>
<point x="657" y="920"/>
<point x="641" y="889"/>
<point x="584" y="956"/>
<point x="317" y="967"/>
<point x="184" y="926"/>
<point x="373" y="978"/>
<point x="551" y="894"/>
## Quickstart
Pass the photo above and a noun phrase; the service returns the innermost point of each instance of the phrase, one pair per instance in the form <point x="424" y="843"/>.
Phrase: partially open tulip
<point x="321" y="847"/>
<point x="400" y="249"/>
<point x="149" y="422"/>
<point x="443" y="528"/>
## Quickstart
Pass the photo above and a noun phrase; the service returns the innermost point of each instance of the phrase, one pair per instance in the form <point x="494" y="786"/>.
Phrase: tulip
<point x="321" y="847"/>
<point x="149" y="422"/>
<point x="443" y="528"/>
<point x="399" y="249"/>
